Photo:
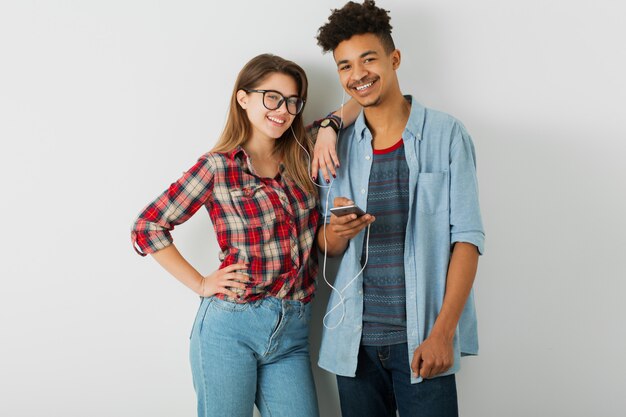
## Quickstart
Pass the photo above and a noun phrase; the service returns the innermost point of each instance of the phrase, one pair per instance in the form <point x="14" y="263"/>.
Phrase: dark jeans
<point x="383" y="384"/>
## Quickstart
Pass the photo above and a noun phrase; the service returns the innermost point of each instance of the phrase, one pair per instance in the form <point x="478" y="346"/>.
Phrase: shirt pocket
<point x="306" y="205"/>
<point x="253" y="205"/>
<point x="432" y="192"/>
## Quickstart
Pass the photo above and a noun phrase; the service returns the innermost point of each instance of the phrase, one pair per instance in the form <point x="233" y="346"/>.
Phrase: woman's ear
<point x="242" y="99"/>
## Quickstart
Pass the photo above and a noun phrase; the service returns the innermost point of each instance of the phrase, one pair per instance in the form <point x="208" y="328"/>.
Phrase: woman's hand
<point x="221" y="280"/>
<point x="324" y="154"/>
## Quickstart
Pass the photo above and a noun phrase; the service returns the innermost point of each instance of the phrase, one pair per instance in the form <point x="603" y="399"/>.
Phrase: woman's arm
<point x="218" y="282"/>
<point x="324" y="152"/>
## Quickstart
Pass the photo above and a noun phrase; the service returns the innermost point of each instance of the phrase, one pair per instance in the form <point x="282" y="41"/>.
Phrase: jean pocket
<point x="200" y="314"/>
<point x="229" y="306"/>
<point x="432" y="192"/>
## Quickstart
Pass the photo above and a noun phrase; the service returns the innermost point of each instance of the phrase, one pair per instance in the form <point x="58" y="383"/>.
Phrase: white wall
<point x="103" y="104"/>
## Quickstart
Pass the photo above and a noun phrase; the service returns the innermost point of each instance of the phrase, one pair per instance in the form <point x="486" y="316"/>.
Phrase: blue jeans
<point x="383" y="384"/>
<point x="253" y="353"/>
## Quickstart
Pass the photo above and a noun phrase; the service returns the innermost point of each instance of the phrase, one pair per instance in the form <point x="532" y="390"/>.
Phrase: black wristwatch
<point x="331" y="121"/>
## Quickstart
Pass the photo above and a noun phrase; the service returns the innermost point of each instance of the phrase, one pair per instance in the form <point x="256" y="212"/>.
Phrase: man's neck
<point x="387" y="121"/>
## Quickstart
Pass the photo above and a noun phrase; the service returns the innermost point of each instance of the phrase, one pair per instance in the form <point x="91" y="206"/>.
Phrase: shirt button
<point x="360" y="292"/>
<point x="362" y="190"/>
<point x="358" y="327"/>
<point x="368" y="157"/>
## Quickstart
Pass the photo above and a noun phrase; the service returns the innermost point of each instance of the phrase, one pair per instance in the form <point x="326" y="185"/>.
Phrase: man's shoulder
<point x="436" y="124"/>
<point x="437" y="119"/>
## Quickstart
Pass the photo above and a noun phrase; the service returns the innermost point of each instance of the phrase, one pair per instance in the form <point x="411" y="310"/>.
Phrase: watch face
<point x="325" y="122"/>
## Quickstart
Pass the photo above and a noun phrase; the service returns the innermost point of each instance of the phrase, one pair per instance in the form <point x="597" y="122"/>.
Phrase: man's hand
<point x="333" y="238"/>
<point x="324" y="154"/>
<point x="348" y="226"/>
<point x="433" y="357"/>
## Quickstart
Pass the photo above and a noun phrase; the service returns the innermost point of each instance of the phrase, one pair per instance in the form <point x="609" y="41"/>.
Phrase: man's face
<point x="365" y="70"/>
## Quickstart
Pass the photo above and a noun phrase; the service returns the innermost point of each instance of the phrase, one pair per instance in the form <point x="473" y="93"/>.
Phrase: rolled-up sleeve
<point x="151" y="230"/>
<point x="465" y="219"/>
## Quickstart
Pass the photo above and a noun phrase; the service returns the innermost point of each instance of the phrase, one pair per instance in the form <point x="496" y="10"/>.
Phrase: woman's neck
<point x="263" y="158"/>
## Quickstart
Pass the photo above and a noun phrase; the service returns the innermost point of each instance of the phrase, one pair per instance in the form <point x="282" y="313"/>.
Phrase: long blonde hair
<point x="238" y="128"/>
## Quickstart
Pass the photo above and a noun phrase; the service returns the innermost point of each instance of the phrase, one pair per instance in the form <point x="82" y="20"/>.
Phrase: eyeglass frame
<point x="282" y="100"/>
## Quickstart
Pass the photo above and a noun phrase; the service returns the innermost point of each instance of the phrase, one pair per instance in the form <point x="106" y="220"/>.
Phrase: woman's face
<point x="269" y="124"/>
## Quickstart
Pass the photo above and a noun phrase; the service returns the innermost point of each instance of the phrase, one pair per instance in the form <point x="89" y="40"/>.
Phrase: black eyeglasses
<point x="272" y="100"/>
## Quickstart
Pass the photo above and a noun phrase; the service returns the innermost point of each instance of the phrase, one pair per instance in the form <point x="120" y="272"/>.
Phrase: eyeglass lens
<point x="273" y="100"/>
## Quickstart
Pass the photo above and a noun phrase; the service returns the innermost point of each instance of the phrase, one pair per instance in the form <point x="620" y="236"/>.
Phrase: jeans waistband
<point x="281" y="305"/>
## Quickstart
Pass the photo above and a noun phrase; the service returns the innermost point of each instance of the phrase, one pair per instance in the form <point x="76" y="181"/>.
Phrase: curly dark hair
<point x="356" y="19"/>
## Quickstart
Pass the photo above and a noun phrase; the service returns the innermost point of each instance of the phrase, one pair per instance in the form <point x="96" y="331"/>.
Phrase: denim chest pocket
<point x="253" y="205"/>
<point x="432" y="192"/>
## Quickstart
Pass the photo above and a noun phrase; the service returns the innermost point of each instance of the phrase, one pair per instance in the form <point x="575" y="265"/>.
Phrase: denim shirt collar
<point x="414" y="125"/>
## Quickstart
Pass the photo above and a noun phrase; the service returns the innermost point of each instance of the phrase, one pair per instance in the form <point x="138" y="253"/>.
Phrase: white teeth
<point x="363" y="87"/>
<point x="276" y="120"/>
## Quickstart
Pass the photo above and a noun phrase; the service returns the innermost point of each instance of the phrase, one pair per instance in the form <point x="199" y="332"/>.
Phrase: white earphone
<point x="329" y="186"/>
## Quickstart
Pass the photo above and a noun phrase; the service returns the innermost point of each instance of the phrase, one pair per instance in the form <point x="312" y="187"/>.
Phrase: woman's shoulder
<point x="216" y="159"/>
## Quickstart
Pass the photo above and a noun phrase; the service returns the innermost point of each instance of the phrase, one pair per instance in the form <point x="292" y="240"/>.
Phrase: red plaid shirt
<point x="268" y="223"/>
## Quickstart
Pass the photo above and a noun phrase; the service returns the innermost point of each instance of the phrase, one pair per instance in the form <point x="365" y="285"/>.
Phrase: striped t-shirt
<point x="384" y="310"/>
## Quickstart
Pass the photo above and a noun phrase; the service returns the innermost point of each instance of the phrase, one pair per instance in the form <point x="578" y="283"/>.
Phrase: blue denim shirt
<point x="443" y="209"/>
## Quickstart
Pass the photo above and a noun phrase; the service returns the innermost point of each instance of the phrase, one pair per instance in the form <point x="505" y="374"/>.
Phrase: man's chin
<point x="368" y="102"/>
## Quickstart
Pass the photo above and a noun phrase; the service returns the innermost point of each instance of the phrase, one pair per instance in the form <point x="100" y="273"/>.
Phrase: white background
<point x="103" y="104"/>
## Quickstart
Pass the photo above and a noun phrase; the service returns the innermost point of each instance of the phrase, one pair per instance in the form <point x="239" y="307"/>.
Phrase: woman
<point x="249" y="342"/>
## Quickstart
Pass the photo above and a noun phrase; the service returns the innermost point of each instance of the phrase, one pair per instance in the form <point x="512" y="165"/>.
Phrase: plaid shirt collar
<point x="241" y="157"/>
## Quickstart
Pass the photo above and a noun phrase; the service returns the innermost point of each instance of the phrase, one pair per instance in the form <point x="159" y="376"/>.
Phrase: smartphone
<point x="342" y="211"/>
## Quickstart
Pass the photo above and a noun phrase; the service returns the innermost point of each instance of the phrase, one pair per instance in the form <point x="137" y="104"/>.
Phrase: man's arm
<point x="333" y="238"/>
<point x="436" y="354"/>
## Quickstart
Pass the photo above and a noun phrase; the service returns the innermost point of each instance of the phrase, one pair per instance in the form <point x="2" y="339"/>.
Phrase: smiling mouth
<point x="276" y="120"/>
<point x="364" y="87"/>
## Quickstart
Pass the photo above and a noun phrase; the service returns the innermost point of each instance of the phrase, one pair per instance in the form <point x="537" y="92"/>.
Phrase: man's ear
<point x="395" y="59"/>
<point x="242" y="99"/>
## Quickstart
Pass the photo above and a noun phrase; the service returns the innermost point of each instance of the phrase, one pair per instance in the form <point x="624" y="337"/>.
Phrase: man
<point x="394" y="335"/>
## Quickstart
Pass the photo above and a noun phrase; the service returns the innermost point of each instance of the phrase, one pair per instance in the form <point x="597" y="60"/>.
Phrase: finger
<point x="334" y="157"/>
<point x="358" y="223"/>
<point x="324" y="169"/>
<point x="416" y="362"/>
<point x="314" y="167"/>
<point x="233" y="284"/>
<point x="227" y="292"/>
<point x="234" y="267"/>
<point x="342" y="201"/>
<point x="348" y="222"/>
<point x="330" y="166"/>
<point x="350" y="227"/>
<point x="426" y="369"/>
<point x="236" y="277"/>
